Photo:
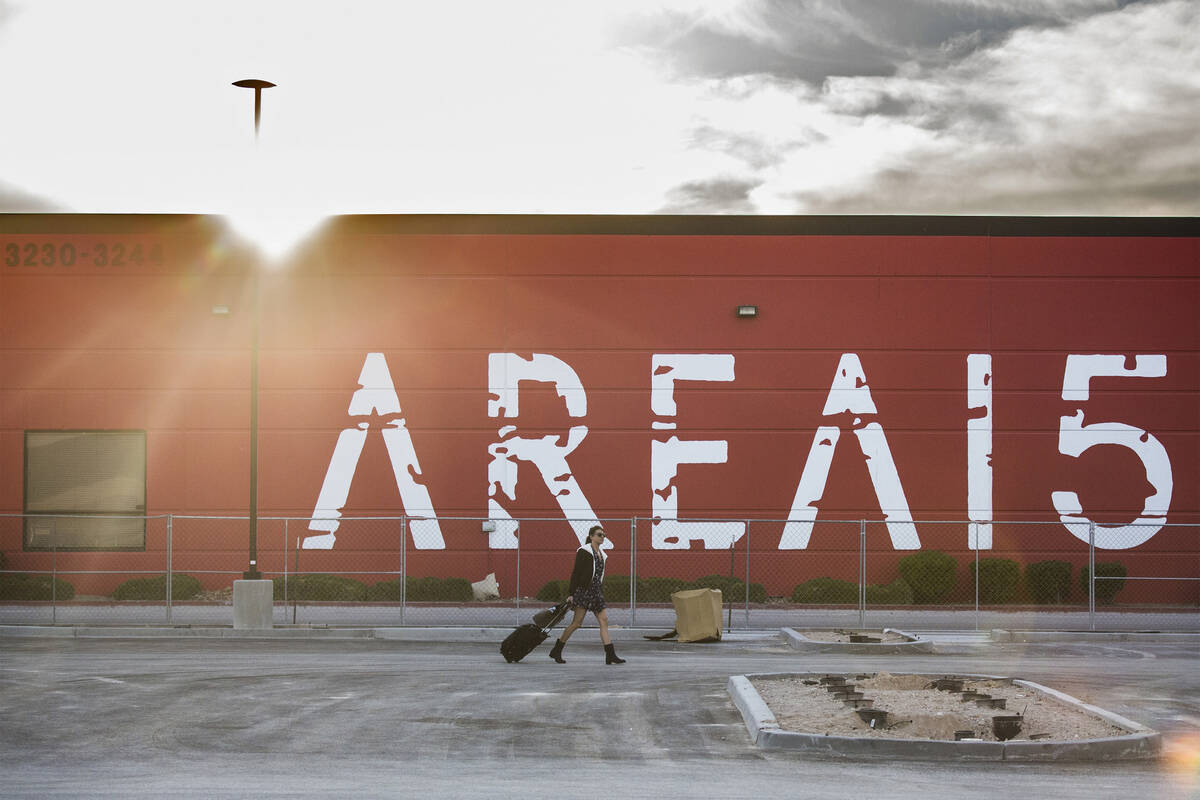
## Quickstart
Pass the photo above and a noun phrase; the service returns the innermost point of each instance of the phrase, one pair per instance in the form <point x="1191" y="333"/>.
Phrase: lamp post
<point x="257" y="85"/>
<point x="252" y="572"/>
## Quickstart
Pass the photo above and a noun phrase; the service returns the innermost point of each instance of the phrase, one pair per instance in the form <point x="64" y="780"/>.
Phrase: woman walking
<point x="585" y="592"/>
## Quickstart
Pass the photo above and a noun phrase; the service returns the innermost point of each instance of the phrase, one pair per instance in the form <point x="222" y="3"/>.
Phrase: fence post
<point x="403" y="565"/>
<point x="975" y="525"/>
<point x="170" y="571"/>
<point x="54" y="575"/>
<point x="1092" y="574"/>
<point x="862" y="573"/>
<point x="294" y="595"/>
<point x="286" y="534"/>
<point x="633" y="572"/>
<point x="747" y="574"/>
<point x="729" y="614"/>
<point x="517" y="592"/>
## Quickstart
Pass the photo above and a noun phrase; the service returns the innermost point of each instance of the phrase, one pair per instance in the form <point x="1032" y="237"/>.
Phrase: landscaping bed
<point x="856" y="641"/>
<point x="917" y="710"/>
<point x="842" y="635"/>
<point x="966" y="717"/>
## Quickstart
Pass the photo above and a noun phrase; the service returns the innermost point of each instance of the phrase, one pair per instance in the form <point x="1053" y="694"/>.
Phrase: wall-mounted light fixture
<point x="220" y="311"/>
<point x="746" y="311"/>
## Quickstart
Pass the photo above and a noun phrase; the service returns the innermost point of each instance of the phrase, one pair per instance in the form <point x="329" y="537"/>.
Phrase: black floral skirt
<point x="591" y="598"/>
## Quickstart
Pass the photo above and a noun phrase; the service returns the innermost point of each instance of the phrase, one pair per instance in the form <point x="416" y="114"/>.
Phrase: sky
<point x="1079" y="107"/>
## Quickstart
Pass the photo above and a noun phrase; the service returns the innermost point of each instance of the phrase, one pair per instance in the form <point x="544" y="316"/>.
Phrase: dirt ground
<point x="918" y="711"/>
<point x="843" y="635"/>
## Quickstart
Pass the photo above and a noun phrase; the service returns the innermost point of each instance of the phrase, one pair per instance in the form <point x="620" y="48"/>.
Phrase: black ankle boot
<point x="556" y="651"/>
<point x="610" y="655"/>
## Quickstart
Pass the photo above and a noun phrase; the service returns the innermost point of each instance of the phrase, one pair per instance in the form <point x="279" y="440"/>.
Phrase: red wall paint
<point x="138" y="347"/>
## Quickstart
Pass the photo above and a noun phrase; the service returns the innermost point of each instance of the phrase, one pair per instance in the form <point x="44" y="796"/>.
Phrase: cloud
<point x="717" y="196"/>
<point x="1097" y="115"/>
<point x="16" y="201"/>
<point x="817" y="39"/>
<point x="384" y="107"/>
<point x="753" y="150"/>
<point x="749" y="106"/>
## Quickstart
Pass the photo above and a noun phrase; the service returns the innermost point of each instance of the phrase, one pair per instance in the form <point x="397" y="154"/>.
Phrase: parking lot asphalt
<point x="186" y="716"/>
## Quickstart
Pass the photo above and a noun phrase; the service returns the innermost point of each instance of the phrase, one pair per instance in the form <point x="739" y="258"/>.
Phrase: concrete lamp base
<point x="252" y="604"/>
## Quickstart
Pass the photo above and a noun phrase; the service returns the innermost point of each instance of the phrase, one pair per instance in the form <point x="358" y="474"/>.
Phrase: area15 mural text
<point x="849" y="394"/>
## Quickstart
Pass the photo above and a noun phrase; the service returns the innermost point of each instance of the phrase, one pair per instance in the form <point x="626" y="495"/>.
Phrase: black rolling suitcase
<point x="521" y="641"/>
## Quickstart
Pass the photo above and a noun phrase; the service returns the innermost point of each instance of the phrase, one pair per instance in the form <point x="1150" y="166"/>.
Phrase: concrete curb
<point x="1142" y="742"/>
<point x="915" y="644"/>
<point x="181" y="632"/>
<point x="755" y="713"/>
<point x="1003" y="635"/>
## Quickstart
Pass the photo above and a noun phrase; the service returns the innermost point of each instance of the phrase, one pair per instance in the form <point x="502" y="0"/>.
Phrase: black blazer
<point x="584" y="571"/>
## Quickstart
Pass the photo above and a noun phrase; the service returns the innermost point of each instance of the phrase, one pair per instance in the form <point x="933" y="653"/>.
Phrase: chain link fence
<point x="803" y="574"/>
<point x="391" y="571"/>
<point x="1164" y="586"/>
<point x="79" y="569"/>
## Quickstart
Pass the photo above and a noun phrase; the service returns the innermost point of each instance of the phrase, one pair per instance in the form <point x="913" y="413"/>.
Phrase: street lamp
<point x="252" y="573"/>
<point x="257" y="86"/>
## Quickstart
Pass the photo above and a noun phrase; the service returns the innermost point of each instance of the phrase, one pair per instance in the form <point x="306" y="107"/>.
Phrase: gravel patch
<point x="916" y="710"/>
<point x="843" y="635"/>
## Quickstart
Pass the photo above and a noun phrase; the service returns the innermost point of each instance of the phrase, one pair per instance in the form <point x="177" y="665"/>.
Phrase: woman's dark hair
<point x="593" y="529"/>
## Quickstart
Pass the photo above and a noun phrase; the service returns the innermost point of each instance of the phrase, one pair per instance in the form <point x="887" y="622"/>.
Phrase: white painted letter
<point x="377" y="393"/>
<point x="505" y="372"/>
<point x="849" y="393"/>
<point x="1074" y="438"/>
<point x="667" y="532"/>
<point x="979" y="451"/>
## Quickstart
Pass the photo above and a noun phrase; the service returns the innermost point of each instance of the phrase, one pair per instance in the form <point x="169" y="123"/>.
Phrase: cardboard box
<point x="698" y="615"/>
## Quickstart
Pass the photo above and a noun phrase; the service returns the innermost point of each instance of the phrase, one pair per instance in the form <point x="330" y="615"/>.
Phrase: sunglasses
<point x="598" y="533"/>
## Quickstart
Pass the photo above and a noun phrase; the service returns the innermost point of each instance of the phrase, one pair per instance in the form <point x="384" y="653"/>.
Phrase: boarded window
<point x="92" y="483"/>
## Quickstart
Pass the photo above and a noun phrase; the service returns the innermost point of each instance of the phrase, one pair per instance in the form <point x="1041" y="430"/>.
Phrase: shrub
<point x="615" y="588"/>
<point x="930" y="574"/>
<point x="659" y="590"/>
<point x="733" y="590"/>
<point x="826" y="590"/>
<point x="456" y="590"/>
<point x="384" y="591"/>
<point x="34" y="587"/>
<point x="554" y="591"/>
<point x="319" y="586"/>
<point x="431" y="589"/>
<point x="896" y="593"/>
<point x="183" y="587"/>
<point x="1106" y="590"/>
<point x="758" y="593"/>
<point x="998" y="579"/>
<point x="730" y="588"/>
<point x="421" y="589"/>
<point x="1048" y="581"/>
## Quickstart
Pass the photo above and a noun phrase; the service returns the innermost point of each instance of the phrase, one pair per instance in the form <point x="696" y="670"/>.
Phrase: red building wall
<point x="137" y="346"/>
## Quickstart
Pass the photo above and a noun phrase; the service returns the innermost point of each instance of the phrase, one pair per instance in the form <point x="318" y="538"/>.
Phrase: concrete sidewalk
<point x="405" y="634"/>
<point x="659" y="618"/>
<point x="944" y="640"/>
